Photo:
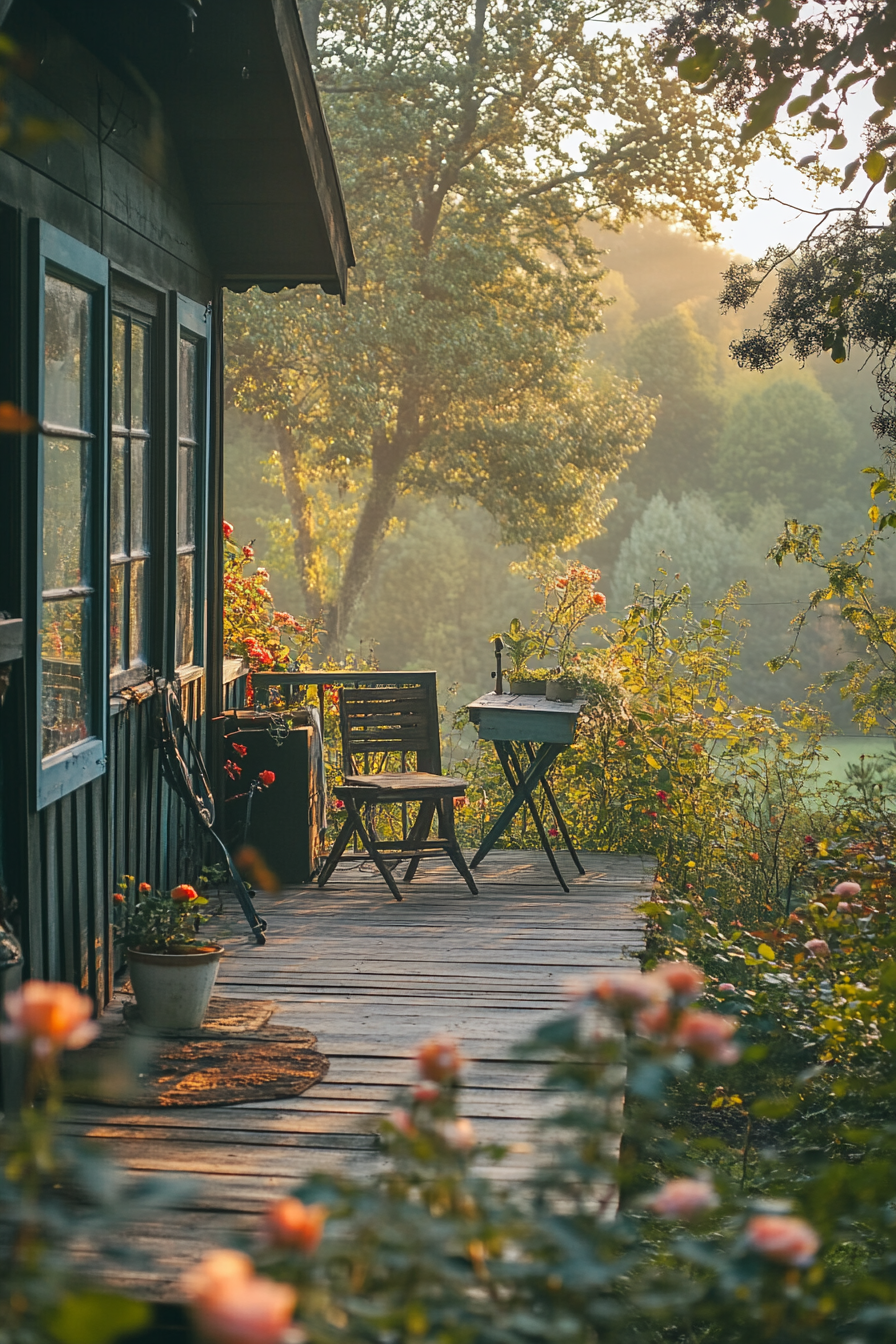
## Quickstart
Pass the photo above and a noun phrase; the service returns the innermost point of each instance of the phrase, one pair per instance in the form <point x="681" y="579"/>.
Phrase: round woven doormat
<point x="236" y="1056"/>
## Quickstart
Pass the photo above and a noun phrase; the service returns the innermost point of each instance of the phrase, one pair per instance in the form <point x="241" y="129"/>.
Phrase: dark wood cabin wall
<point x="108" y="186"/>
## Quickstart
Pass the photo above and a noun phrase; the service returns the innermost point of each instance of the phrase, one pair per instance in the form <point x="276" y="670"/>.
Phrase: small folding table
<point x="529" y="733"/>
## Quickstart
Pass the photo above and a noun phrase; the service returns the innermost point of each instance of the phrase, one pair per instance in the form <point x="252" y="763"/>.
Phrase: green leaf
<point x="697" y="69"/>
<point x="779" y="13"/>
<point x="875" y="166"/>
<point x="798" y="105"/>
<point x="96" y="1318"/>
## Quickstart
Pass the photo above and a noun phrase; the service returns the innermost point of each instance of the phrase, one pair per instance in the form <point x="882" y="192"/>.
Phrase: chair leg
<point x="419" y="832"/>
<point x="453" y="849"/>
<point x="373" y="850"/>
<point x="337" y="851"/>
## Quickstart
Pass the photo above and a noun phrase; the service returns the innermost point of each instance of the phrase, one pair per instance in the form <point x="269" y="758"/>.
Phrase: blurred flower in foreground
<point x="289" y="1222"/>
<point x="790" y="1241"/>
<point x="459" y="1134"/>
<point x="708" y="1036"/>
<point x="683" y="1198"/>
<point x="231" y="1304"/>
<point x="50" y="1016"/>
<point x="438" y="1060"/>
<point x="847" y="889"/>
<point x="817" y="947"/>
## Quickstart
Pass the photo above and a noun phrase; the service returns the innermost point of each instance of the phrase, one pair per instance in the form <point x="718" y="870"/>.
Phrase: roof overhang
<point x="241" y="105"/>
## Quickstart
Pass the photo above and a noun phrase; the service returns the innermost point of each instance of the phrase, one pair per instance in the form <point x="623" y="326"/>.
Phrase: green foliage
<point x="868" y="681"/>
<point x="96" y="1318"/>
<point x="469" y="161"/>
<point x="754" y="56"/>
<point x="673" y="360"/>
<point x="666" y="761"/>
<point x="253" y="630"/>
<point x="154" y="921"/>
<point x="785" y="442"/>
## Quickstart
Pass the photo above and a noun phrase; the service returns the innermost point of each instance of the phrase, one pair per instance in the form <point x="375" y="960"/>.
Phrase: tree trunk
<point x="305" y="549"/>
<point x="388" y="458"/>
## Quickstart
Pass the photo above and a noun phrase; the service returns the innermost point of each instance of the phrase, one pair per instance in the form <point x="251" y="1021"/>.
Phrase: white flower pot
<point x="172" y="989"/>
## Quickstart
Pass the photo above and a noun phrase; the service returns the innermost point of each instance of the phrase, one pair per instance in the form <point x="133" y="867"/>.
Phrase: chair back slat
<point x="377" y="720"/>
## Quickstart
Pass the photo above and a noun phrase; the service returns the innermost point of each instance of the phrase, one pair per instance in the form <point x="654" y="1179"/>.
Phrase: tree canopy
<point x="473" y="141"/>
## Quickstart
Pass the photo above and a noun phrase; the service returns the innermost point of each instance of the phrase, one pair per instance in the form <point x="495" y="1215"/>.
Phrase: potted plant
<point x="520" y="645"/>
<point x="172" y="969"/>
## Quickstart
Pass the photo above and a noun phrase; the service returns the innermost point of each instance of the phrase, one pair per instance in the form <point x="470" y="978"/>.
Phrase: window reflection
<point x="189" y="428"/>
<point x="67" y="460"/>
<point x="130" y="495"/>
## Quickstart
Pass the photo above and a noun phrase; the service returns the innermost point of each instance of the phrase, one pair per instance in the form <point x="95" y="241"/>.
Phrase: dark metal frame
<point x="524" y="778"/>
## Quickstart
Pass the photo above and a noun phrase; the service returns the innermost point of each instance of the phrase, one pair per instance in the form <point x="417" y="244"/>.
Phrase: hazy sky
<point x="768" y="222"/>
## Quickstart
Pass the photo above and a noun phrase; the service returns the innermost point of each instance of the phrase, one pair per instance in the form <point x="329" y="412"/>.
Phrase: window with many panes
<point x="190" y="484"/>
<point x="71" y="488"/>
<point x="130" y="496"/>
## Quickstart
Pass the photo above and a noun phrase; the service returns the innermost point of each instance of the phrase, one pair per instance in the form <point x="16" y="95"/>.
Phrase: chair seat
<point x="408" y="784"/>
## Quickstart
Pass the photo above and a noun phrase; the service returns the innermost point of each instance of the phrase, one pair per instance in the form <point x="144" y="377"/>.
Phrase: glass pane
<point x="119" y="347"/>
<point x="63" y="642"/>
<point x="117" y="501"/>
<point x="188" y="425"/>
<point x="183" y="630"/>
<point x="66" y="354"/>
<point x="186" y="494"/>
<point x="139" y="496"/>
<point x="65" y="511"/>
<point x="137" y="633"/>
<point x="139" y="376"/>
<point x="116" y="616"/>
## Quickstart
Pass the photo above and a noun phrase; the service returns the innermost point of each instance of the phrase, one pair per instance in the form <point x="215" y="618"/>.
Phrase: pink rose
<point x="817" y="947"/>
<point x="50" y="1016"/>
<point x="401" y="1121"/>
<point x="788" y="1240"/>
<point x="847" y="889"/>
<point x="683" y="1198"/>
<point x="627" y="990"/>
<point x="725" y="988"/>
<point x="426" y="1092"/>
<point x="231" y="1304"/>
<point x="708" y="1036"/>
<point x="681" y="978"/>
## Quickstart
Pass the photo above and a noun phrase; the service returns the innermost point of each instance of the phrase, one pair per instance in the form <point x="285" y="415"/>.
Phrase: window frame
<point x="71" y="767"/>
<point x="192" y="320"/>
<point x="141" y="304"/>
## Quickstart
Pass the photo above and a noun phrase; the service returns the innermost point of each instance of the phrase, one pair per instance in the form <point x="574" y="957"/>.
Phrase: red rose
<point x="266" y="777"/>
<point x="228" y="530"/>
<point x="239" y="748"/>
<point x="184" y="893"/>
<point x="144" y="888"/>
<point x="248" y="552"/>
<point x="118" y="898"/>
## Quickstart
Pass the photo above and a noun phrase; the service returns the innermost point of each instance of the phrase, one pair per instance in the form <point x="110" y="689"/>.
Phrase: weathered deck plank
<point x="372" y="978"/>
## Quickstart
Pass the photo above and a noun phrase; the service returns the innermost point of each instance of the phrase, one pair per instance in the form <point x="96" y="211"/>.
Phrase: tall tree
<point x="674" y="361"/>
<point x="473" y="141"/>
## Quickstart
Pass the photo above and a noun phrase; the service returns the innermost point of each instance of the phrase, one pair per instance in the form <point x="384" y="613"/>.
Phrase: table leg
<point x="544" y="758"/>
<point x="514" y="761"/>
<point x="558" y="815"/>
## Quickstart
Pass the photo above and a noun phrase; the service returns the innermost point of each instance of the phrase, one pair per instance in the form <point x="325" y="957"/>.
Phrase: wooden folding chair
<point x="378" y="722"/>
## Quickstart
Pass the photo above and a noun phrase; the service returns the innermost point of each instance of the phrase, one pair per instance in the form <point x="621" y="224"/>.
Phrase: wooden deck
<point x="372" y="978"/>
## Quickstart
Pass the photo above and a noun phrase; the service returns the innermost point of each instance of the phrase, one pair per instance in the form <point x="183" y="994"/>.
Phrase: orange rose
<point x="289" y="1222"/>
<point x="51" y="1016"/>
<point x="231" y="1304"/>
<point x="184" y="893"/>
<point x="438" y="1060"/>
